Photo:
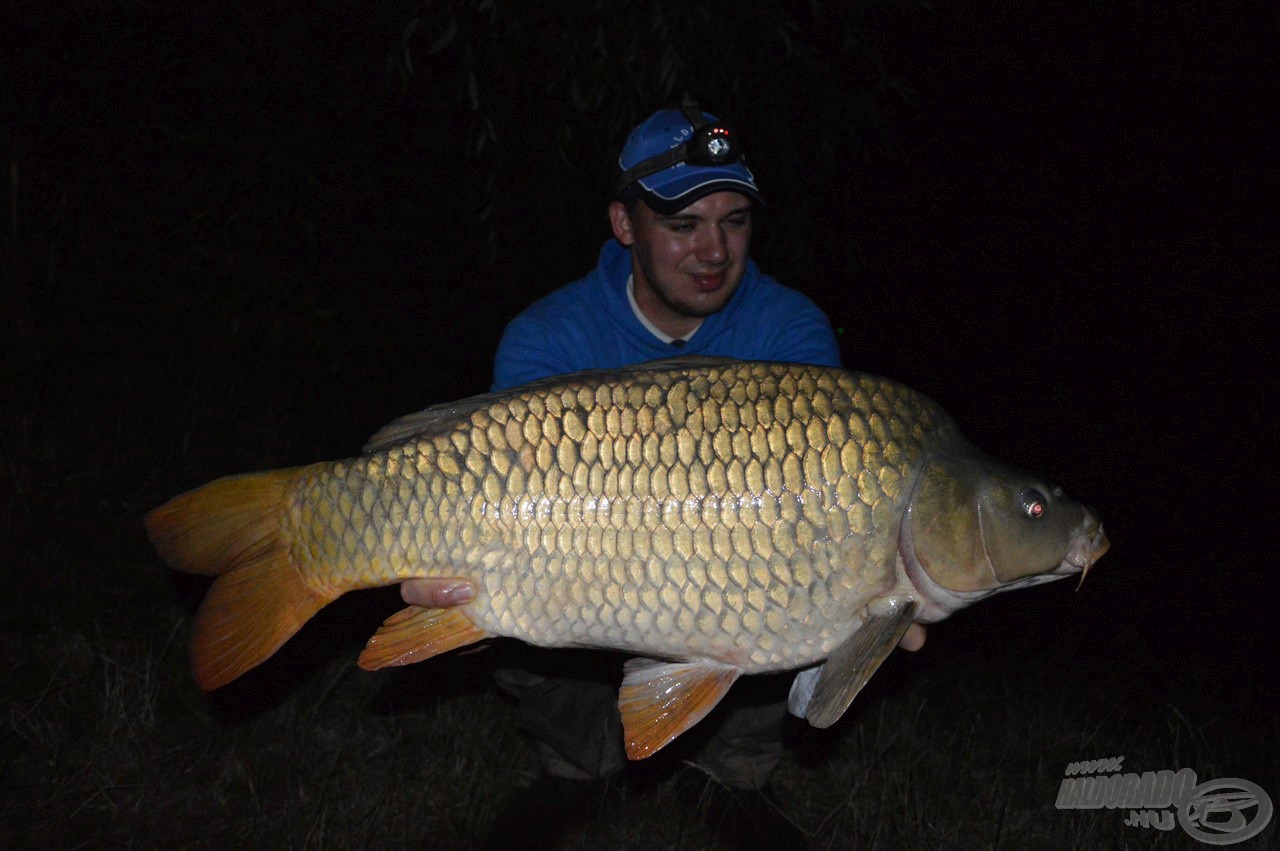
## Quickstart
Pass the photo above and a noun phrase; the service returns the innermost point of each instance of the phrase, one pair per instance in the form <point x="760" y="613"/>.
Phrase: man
<point x="675" y="280"/>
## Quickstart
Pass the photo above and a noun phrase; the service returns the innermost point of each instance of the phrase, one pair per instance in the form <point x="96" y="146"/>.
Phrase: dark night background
<point x="243" y="236"/>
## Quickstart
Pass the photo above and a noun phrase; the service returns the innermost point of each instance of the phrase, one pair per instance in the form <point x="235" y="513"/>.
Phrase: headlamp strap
<point x="689" y="107"/>
<point x="685" y="151"/>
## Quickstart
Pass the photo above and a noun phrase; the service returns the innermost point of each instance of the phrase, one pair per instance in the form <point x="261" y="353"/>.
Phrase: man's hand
<point x="913" y="638"/>
<point x="437" y="593"/>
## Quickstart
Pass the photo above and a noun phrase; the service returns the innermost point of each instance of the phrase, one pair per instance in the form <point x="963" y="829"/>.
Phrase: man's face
<point x="687" y="265"/>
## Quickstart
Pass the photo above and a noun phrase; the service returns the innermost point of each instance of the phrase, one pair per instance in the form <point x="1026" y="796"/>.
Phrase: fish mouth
<point x="1089" y="545"/>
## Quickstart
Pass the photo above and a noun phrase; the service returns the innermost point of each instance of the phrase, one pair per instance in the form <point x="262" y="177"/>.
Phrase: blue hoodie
<point x="589" y="324"/>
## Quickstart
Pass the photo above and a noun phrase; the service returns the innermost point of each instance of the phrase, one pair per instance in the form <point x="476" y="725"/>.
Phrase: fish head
<point x="974" y="526"/>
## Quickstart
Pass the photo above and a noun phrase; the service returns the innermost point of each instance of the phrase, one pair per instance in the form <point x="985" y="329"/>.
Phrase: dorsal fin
<point x="430" y="422"/>
<point x="441" y="419"/>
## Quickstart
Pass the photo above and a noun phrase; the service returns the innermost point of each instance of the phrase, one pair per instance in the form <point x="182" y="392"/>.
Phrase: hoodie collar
<point x="612" y="273"/>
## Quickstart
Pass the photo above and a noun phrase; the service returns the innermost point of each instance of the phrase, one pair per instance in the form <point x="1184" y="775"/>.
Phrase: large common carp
<point x="714" y="517"/>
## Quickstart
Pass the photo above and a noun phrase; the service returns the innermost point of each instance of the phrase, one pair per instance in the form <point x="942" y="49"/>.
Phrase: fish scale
<point x="736" y="517"/>
<point x="630" y="538"/>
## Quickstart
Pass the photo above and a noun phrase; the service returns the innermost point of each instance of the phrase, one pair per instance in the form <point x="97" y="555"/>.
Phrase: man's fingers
<point x="913" y="638"/>
<point x="437" y="593"/>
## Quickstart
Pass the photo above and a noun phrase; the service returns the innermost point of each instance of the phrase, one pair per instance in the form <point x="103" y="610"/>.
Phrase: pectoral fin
<point x="660" y="700"/>
<point x="851" y="664"/>
<point x="415" y="633"/>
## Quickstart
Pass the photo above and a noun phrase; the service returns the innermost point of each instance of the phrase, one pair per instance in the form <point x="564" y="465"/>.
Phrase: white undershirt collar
<point x="644" y="320"/>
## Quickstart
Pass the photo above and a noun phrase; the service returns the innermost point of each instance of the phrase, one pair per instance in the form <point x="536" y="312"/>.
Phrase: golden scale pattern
<point x="740" y="512"/>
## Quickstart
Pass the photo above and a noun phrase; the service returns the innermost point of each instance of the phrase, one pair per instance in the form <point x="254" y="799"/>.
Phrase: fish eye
<point x="1033" y="503"/>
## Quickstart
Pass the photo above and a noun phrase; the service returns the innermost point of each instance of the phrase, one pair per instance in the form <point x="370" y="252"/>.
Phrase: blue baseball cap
<point x="676" y="156"/>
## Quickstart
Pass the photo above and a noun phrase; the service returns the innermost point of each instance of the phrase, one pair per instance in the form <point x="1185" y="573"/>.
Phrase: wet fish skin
<point x="669" y="517"/>
<point x="742" y="516"/>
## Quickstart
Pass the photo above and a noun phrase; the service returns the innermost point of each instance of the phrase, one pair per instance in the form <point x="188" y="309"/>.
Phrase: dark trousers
<point x="578" y="732"/>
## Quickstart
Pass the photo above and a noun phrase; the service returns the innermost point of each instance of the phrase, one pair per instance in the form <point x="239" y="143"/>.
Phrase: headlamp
<point x="711" y="144"/>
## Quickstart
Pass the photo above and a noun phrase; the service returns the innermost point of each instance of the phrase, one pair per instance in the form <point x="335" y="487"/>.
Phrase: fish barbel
<point x="713" y="517"/>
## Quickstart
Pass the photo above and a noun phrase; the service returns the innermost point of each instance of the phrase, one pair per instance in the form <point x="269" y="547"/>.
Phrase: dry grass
<point x="108" y="744"/>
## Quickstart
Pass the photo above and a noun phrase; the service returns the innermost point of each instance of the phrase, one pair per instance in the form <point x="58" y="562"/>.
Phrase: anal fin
<point x="660" y="700"/>
<point x="852" y="664"/>
<point x="414" y="634"/>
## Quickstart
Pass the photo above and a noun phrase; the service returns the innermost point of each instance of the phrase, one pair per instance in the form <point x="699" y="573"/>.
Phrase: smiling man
<point x="685" y="266"/>
<point x="676" y="279"/>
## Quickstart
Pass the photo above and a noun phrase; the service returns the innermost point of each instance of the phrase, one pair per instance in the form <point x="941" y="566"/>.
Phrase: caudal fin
<point x="230" y="528"/>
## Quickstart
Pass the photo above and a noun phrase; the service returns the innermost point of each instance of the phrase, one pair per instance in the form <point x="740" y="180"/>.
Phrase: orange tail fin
<point x="230" y="528"/>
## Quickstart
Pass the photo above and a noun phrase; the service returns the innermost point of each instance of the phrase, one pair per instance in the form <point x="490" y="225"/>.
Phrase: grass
<point x="108" y="744"/>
